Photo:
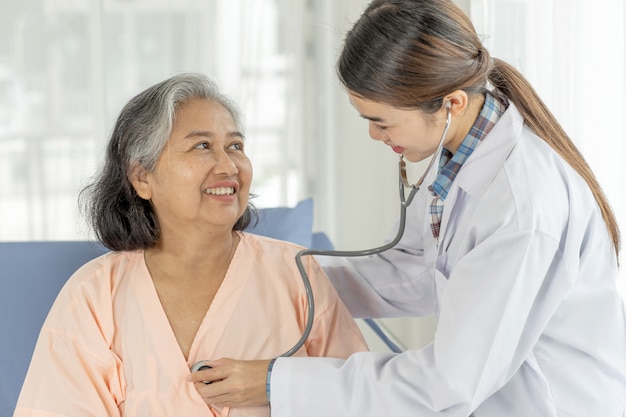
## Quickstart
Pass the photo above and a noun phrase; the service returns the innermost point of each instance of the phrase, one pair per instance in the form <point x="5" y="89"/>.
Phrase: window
<point x="68" y="66"/>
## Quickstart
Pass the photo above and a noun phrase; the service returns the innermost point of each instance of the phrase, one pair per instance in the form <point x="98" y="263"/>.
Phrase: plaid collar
<point x="450" y="164"/>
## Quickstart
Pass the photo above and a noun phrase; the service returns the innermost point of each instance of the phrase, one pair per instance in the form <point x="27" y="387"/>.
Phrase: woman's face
<point x="202" y="177"/>
<point x="408" y="132"/>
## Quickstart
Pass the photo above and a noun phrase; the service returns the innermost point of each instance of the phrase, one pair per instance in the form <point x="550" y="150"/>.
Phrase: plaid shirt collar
<point x="450" y="164"/>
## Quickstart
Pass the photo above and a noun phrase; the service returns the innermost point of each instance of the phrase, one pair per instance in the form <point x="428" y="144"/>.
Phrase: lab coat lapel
<point x="426" y="198"/>
<point x="488" y="158"/>
<point x="479" y="170"/>
<point x="445" y="233"/>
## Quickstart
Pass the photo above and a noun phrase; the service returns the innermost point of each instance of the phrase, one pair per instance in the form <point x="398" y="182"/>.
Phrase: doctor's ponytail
<point x="538" y="117"/>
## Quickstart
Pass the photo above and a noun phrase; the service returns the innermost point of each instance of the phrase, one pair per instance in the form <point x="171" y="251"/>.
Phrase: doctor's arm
<point x="486" y="308"/>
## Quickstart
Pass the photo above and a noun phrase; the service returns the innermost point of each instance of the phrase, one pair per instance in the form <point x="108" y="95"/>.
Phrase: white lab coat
<point x="524" y="288"/>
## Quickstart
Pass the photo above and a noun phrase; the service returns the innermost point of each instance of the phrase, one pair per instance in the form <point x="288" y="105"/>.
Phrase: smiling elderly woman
<point x="183" y="282"/>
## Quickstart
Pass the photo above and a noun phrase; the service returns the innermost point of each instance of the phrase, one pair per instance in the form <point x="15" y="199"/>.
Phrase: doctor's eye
<point x="379" y="127"/>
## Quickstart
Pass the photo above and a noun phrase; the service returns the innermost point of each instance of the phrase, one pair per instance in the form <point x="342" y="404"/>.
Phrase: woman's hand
<point x="233" y="383"/>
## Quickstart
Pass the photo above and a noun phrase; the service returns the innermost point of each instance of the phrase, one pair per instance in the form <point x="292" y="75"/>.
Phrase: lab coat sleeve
<point x="492" y="313"/>
<point x="73" y="372"/>
<point x="394" y="283"/>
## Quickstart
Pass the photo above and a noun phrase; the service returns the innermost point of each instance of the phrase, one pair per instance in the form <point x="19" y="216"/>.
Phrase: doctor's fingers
<point x="224" y="394"/>
<point x="233" y="383"/>
<point x="223" y="368"/>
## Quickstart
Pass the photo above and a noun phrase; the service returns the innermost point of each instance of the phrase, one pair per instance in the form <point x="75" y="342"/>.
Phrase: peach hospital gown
<point x="107" y="349"/>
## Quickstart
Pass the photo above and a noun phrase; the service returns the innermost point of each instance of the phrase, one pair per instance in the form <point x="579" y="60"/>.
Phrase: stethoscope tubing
<point x="404" y="203"/>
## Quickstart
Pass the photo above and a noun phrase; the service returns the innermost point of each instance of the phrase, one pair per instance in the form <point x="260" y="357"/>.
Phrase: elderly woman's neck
<point x="199" y="258"/>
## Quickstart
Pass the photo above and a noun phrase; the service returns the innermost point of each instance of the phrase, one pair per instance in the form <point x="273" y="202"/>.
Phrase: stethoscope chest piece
<point x="199" y="366"/>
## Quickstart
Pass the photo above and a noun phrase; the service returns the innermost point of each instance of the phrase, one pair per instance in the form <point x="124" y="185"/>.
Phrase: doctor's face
<point x="202" y="177"/>
<point x="411" y="133"/>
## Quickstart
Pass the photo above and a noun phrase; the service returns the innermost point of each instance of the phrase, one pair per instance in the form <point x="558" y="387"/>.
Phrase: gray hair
<point x="149" y="116"/>
<point x="120" y="218"/>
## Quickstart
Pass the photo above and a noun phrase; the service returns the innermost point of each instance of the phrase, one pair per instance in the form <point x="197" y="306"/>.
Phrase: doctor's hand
<point x="233" y="383"/>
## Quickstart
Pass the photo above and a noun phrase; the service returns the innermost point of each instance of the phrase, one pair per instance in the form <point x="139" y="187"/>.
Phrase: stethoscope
<point x="405" y="201"/>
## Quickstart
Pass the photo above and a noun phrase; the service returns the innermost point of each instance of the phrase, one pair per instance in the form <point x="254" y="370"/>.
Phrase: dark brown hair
<point x="411" y="53"/>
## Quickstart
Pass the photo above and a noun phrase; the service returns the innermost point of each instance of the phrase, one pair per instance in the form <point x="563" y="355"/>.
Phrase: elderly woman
<point x="183" y="282"/>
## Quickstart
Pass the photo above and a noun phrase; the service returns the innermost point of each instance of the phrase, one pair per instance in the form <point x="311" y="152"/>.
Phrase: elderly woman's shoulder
<point x="106" y="271"/>
<point x="259" y="242"/>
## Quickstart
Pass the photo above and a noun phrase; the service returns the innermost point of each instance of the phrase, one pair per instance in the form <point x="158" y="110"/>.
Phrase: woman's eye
<point x="238" y="146"/>
<point x="203" y="145"/>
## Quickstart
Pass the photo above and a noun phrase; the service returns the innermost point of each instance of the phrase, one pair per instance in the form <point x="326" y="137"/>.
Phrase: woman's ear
<point x="139" y="179"/>
<point x="457" y="100"/>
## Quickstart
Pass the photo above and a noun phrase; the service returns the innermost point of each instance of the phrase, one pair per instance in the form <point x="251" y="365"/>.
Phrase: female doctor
<point x="513" y="246"/>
